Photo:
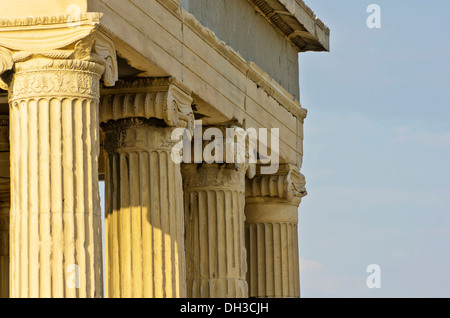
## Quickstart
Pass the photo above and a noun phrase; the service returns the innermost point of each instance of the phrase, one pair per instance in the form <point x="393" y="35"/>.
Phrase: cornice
<point x="250" y="69"/>
<point x="171" y="4"/>
<point x="210" y="37"/>
<point x="297" y="22"/>
<point x="93" y="17"/>
<point x="275" y="90"/>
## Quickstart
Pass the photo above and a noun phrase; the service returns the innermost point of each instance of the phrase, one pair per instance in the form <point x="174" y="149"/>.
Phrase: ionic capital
<point x="136" y="134"/>
<point x="161" y="98"/>
<point x="288" y="184"/>
<point x="58" y="38"/>
<point x="228" y="145"/>
<point x="212" y="176"/>
<point x="48" y="78"/>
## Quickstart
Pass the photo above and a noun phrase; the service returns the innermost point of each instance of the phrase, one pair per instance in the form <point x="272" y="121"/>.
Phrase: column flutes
<point x="55" y="210"/>
<point x="55" y="231"/>
<point x="145" y="254"/>
<point x="4" y="206"/>
<point x="214" y="192"/>
<point x="271" y="234"/>
<point x="214" y="214"/>
<point x="4" y="248"/>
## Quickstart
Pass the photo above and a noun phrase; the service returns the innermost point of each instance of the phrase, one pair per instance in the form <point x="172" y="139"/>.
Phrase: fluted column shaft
<point x="272" y="245"/>
<point x="214" y="214"/>
<point x="55" y="210"/>
<point x="4" y="206"/>
<point x="271" y="211"/>
<point x="144" y="211"/>
<point x="4" y="249"/>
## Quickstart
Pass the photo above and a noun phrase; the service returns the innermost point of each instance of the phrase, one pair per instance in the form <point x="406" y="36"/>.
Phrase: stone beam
<point x="225" y="86"/>
<point x="36" y="8"/>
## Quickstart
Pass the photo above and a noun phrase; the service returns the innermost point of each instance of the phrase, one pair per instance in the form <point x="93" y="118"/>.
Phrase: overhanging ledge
<point x="296" y="21"/>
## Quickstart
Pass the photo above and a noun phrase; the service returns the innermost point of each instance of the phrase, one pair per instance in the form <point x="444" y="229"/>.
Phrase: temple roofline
<point x="297" y="22"/>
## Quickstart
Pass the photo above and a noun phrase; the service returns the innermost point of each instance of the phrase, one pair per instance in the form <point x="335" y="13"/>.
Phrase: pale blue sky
<point x="377" y="152"/>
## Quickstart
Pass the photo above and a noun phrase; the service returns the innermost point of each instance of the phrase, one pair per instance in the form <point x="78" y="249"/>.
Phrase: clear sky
<point x="377" y="151"/>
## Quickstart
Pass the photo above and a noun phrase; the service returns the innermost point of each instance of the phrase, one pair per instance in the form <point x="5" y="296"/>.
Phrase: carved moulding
<point x="229" y="145"/>
<point x="250" y="69"/>
<point x="39" y="78"/>
<point x="288" y="184"/>
<point x="161" y="98"/>
<point x="171" y="4"/>
<point x="136" y="134"/>
<point x="212" y="176"/>
<point x="58" y="38"/>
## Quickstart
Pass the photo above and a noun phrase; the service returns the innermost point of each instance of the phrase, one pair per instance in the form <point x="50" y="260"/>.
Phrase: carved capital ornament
<point x="43" y="42"/>
<point x="160" y="98"/>
<point x="288" y="184"/>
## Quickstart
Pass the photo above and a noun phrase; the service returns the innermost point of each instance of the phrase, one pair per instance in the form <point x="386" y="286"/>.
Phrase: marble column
<point x="55" y="231"/>
<point x="214" y="216"/>
<point x="4" y="206"/>
<point x="55" y="210"/>
<point x="271" y="210"/>
<point x="145" y="255"/>
<point x="4" y="248"/>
